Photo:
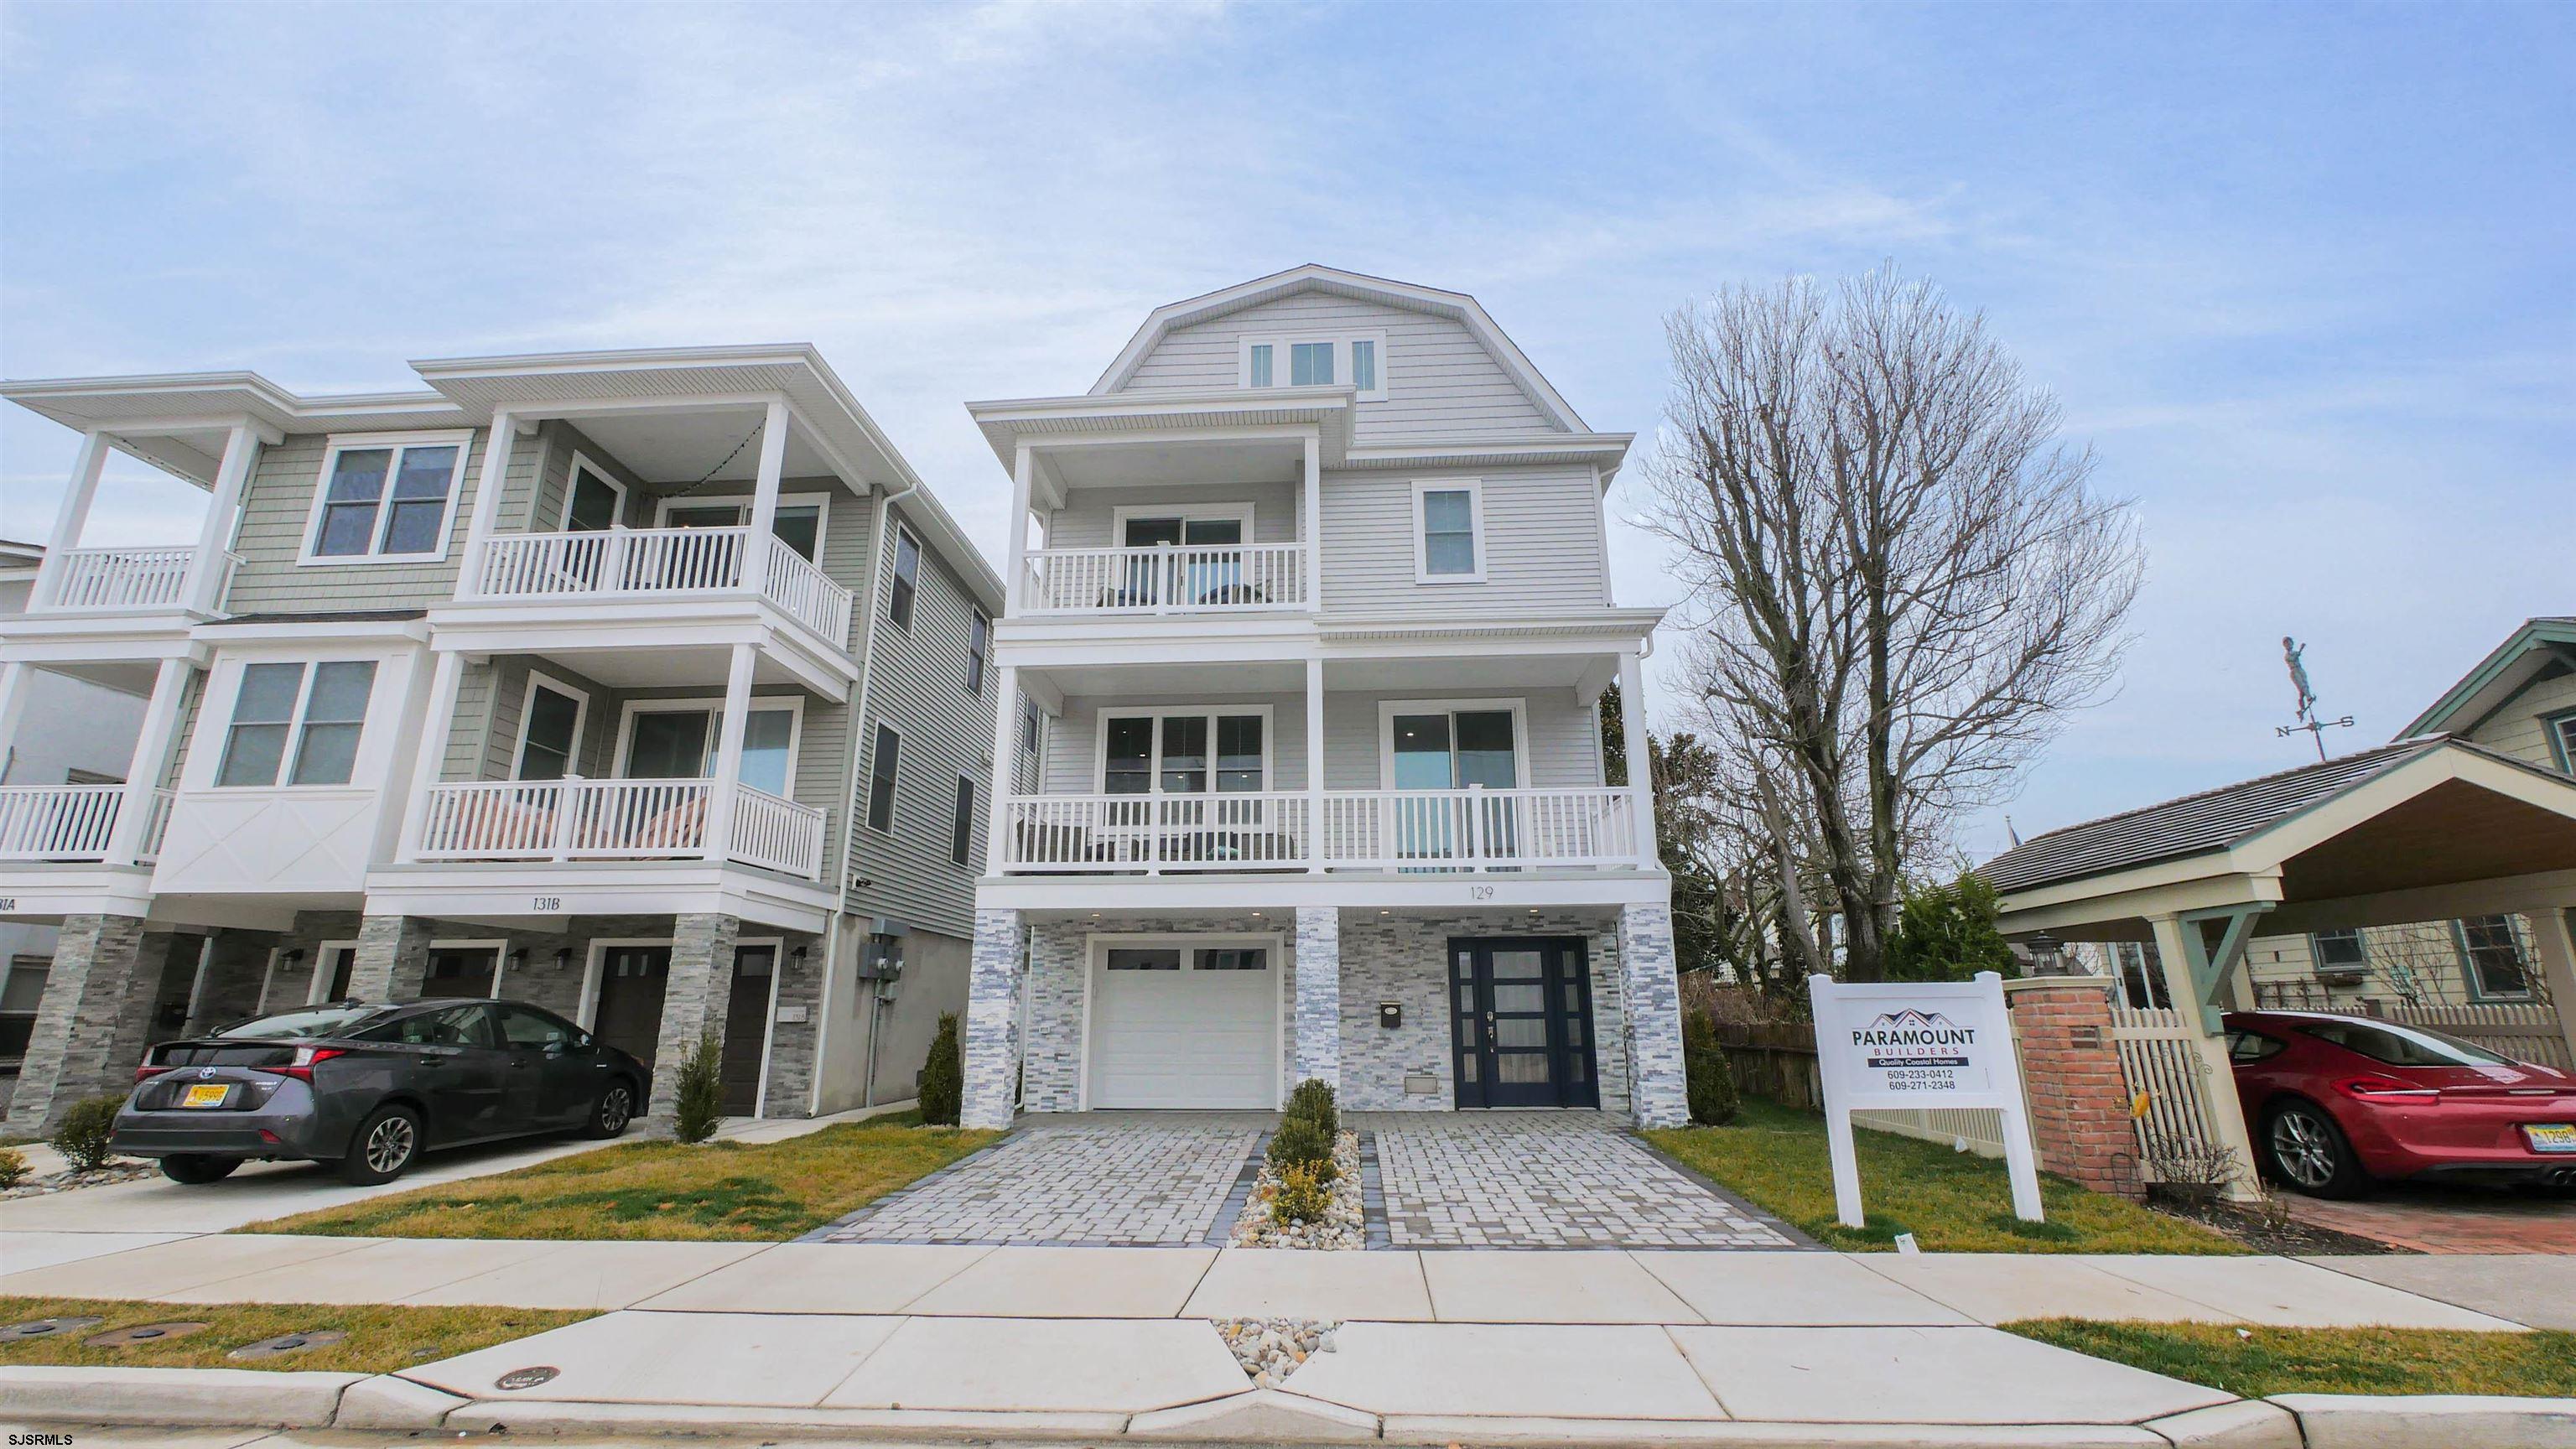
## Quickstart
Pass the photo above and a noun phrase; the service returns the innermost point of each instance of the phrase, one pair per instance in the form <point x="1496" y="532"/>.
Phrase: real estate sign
<point x="1911" y="1045"/>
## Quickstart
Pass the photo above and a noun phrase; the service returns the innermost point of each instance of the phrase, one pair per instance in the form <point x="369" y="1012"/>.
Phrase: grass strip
<point x="381" y="1337"/>
<point x="2259" y="1362"/>
<point x="1952" y="1202"/>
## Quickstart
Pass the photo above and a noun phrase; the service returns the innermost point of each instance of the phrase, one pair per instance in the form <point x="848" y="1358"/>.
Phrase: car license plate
<point x="2551" y="1136"/>
<point x="204" y="1094"/>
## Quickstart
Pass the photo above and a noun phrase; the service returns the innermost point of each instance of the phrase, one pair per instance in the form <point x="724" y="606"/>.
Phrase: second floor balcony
<point x="660" y="563"/>
<point x="565" y="820"/>
<point x="129" y="580"/>
<point x="78" y="823"/>
<point x="1406" y="831"/>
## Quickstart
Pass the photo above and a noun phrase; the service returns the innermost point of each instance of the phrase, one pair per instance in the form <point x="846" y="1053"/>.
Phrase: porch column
<point x="151" y="758"/>
<point x="992" y="1045"/>
<point x="487" y="500"/>
<point x="1312" y="528"/>
<point x="1319" y="995"/>
<point x="1641" y="768"/>
<point x="69" y="519"/>
<point x="2555" y="943"/>
<point x="728" y="771"/>
<point x="430" y="761"/>
<point x="764" y="500"/>
<point x="1023" y="483"/>
<point x="392" y="959"/>
<point x="206" y="569"/>
<point x="693" y="1006"/>
<point x="1314" y="763"/>
<point x="1006" y="760"/>
<point x="2180" y="947"/>
<point x="1650" y="1003"/>
<point x="83" y="1043"/>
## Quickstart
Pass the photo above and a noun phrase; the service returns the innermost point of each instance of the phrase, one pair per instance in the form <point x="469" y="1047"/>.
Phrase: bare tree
<point x="1906" y="582"/>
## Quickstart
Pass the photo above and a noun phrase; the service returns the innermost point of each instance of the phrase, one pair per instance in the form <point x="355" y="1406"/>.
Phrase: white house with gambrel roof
<point x="1310" y="615"/>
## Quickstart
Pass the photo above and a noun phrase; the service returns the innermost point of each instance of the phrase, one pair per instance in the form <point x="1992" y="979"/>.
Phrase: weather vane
<point x="2292" y="653"/>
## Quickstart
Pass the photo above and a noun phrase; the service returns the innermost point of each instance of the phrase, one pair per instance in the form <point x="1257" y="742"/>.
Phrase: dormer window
<point x="1353" y="360"/>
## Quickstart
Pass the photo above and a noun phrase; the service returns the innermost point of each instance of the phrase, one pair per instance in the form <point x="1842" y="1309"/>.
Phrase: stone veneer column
<point x="693" y="1004"/>
<point x="992" y="1042"/>
<point x="392" y="962"/>
<point x="90" y="1031"/>
<point x="1652" y="1021"/>
<point x="2071" y="1076"/>
<point x="1319" y="995"/>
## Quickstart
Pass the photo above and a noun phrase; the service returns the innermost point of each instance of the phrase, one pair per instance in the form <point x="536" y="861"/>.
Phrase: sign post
<point x="1910" y="1045"/>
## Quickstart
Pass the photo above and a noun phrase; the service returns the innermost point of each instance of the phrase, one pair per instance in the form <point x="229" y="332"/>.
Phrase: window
<point x="2339" y="950"/>
<point x="1233" y="958"/>
<point x="274" y="706"/>
<point x="593" y="501"/>
<point x="2252" y="1046"/>
<point x="907" y="578"/>
<point x="798" y="523"/>
<point x="2491" y="949"/>
<point x="385" y="497"/>
<point x="1315" y="359"/>
<point x="1449" y="519"/>
<point x="1031" y="730"/>
<point x="1437" y="746"/>
<point x="2401" y="1046"/>
<point x="550" y="720"/>
<point x="1169" y="751"/>
<point x="677" y="739"/>
<point x="979" y="647"/>
<point x="961" y="829"/>
<point x="1136" y="958"/>
<point x="525" y="1026"/>
<point x="2562" y="740"/>
<point x="881" y="768"/>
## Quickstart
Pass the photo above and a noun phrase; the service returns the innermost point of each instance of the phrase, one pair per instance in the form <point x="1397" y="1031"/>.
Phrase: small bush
<point x="1710" y="1081"/>
<point x="1313" y="1100"/>
<point x="942" y="1083"/>
<point x="82" y="1137"/>
<point x="1300" y="1143"/>
<point x="13" y="1168"/>
<point x="1304" y="1195"/>
<point x="700" y="1109"/>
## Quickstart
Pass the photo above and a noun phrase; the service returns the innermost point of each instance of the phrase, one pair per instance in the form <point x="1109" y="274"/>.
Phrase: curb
<point x="231" y="1398"/>
<point x="2453" y="1421"/>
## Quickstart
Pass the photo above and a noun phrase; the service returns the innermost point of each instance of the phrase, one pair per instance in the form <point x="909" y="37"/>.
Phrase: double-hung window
<point x="907" y="577"/>
<point x="881" y="768"/>
<point x="2339" y="950"/>
<point x="1316" y="359"/>
<point x="2562" y="739"/>
<point x="385" y="497"/>
<point x="2491" y="949"/>
<point x="302" y="720"/>
<point x="550" y="722"/>
<point x="1449" y="531"/>
<point x="979" y="649"/>
<point x="1185" y="752"/>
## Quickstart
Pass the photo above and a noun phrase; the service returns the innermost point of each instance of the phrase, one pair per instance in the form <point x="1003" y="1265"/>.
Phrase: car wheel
<point x="615" y="1109"/>
<point x="195" y="1167"/>
<point x="2307" y="1151"/>
<point x="383" y="1148"/>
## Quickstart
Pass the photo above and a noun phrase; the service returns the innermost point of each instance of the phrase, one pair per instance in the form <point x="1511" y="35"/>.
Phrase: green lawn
<point x="382" y="1338"/>
<point x="718" y="1191"/>
<point x="1952" y="1202"/>
<point x="2258" y="1362"/>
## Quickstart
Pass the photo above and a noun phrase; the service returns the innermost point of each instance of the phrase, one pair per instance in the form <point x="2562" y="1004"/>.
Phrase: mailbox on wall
<point x="1390" y="1014"/>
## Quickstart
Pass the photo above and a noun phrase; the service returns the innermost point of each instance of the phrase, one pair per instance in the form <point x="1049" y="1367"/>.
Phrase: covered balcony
<point x="562" y="820"/>
<point x="78" y="823"/>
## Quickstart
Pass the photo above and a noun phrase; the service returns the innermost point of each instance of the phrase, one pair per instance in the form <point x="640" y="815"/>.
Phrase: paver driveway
<point x="1164" y="1179"/>
<point x="1546" y="1180"/>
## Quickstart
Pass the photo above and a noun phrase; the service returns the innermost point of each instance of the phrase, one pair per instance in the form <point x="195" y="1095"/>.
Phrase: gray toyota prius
<point x="372" y="1086"/>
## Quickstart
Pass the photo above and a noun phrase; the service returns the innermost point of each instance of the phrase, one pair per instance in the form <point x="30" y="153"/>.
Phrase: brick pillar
<point x="393" y="959"/>
<point x="1319" y="995"/>
<point x="1651" y="994"/>
<point x="693" y="1004"/>
<point x="992" y="1045"/>
<point x="2079" y="1096"/>
<point x="92" y="1023"/>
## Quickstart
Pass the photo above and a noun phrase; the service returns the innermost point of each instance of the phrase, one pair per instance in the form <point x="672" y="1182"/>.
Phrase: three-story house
<point x="649" y="687"/>
<point x="1310" y="617"/>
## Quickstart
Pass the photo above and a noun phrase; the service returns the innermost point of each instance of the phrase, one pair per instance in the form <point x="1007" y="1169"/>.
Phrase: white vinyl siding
<point x="2520" y="728"/>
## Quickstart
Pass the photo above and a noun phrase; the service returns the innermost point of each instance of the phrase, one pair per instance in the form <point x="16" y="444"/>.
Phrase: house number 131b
<point x="549" y="903"/>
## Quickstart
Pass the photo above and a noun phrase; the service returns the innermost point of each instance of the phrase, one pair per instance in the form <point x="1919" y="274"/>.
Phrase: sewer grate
<point x="286" y="1343"/>
<point x="46" y="1328"/>
<point x="527" y="1378"/>
<point x="145" y="1333"/>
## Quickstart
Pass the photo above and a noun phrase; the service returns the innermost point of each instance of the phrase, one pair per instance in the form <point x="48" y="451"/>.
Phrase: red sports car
<point x="2333" y="1102"/>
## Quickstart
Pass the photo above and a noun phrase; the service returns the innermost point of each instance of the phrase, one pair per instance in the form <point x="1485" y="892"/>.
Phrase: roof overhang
<point x="1214" y="415"/>
<point x="2537" y="647"/>
<point x="177" y="421"/>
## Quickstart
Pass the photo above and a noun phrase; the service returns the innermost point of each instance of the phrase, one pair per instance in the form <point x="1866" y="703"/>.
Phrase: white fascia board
<point x="1605" y="450"/>
<point x="1182" y="414"/>
<point x="1495" y="891"/>
<point x="413" y="630"/>
<point x="47" y="893"/>
<point x="163" y="634"/>
<point x="2192" y="883"/>
<point x="146" y="404"/>
<point x="522" y="627"/>
<point x="1348" y="631"/>
<point x="1097" y="652"/>
<point x="507" y="893"/>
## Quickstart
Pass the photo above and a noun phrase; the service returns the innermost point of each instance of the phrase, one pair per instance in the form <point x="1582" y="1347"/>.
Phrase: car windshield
<point x="311" y="1021"/>
<point x="2403" y="1046"/>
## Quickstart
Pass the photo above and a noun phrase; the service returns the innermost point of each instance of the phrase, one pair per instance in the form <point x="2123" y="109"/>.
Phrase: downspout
<point x="850" y="827"/>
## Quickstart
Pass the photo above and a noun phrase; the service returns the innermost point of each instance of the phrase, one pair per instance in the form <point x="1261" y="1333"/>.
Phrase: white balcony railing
<point x="646" y="563"/>
<point x="58" y="822"/>
<point x="614" y="820"/>
<point x="1169" y="579"/>
<point x="124" y="578"/>
<point x="1402" y="830"/>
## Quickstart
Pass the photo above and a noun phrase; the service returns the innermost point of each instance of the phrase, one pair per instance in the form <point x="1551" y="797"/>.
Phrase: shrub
<point x="13" y="1168"/>
<point x="82" y="1137"/>
<point x="1300" y="1143"/>
<point x="1303" y="1196"/>
<point x="942" y="1083"/>
<point x="700" y="1085"/>
<point x="1710" y="1081"/>
<point x="1313" y="1100"/>
<point x="1947" y="933"/>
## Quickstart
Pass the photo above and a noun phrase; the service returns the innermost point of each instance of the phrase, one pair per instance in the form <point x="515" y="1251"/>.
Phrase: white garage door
<point x="1185" y="1025"/>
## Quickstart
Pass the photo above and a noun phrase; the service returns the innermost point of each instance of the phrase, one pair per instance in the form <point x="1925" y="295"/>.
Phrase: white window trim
<point x="338" y="443"/>
<point x="894" y="782"/>
<point x="1096" y="962"/>
<point x="1474" y="488"/>
<point x="1209" y="712"/>
<point x="1278" y="343"/>
<point x="1188" y="513"/>
<point x="794" y="704"/>
<point x="894" y="552"/>
<point x="769" y="1018"/>
<point x="580" y="723"/>
<point x="321" y="982"/>
<point x="294" y="745"/>
<point x="596" y="959"/>
<point x="1388" y="709"/>
<point x="499" y="946"/>
<point x="581" y="464"/>
<point x="822" y="519"/>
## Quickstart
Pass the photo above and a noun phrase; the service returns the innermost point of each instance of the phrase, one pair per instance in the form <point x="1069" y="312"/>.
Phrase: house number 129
<point x="1480" y="893"/>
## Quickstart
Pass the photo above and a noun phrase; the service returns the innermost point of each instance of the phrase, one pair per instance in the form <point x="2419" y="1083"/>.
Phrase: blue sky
<point x="2300" y="273"/>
